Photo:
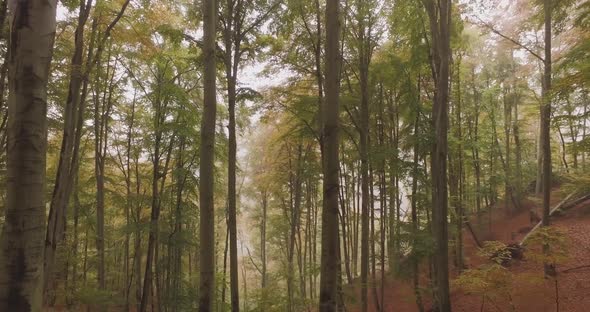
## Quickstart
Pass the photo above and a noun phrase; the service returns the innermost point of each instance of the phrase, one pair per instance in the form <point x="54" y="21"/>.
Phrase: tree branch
<point x="497" y="32"/>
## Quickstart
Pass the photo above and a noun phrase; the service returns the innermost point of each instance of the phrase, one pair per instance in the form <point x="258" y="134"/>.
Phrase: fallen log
<point x="563" y="202"/>
<point x="575" y="202"/>
<point x="576" y="268"/>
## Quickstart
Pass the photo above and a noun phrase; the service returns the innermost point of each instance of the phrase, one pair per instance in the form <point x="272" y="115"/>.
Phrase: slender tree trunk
<point x="65" y="171"/>
<point x="546" y="121"/>
<point x="459" y="167"/>
<point x="75" y="240"/>
<point x="177" y="235"/>
<point x="585" y="97"/>
<point x="563" y="149"/>
<point x="137" y="243"/>
<point x="263" y="278"/>
<point x="372" y="241"/>
<point x="73" y="127"/>
<point x="3" y="76"/>
<point x="539" y="180"/>
<point x="382" y="197"/>
<point x="224" y="279"/>
<point x="330" y="255"/>
<point x="232" y="211"/>
<point x="101" y="114"/>
<point x="574" y="132"/>
<point x="508" y="173"/>
<point x="206" y="186"/>
<point x="475" y="148"/>
<point x="414" y="211"/>
<point x="364" y="57"/>
<point x="129" y="203"/>
<point x="517" y="149"/>
<point x="343" y="220"/>
<point x="158" y="182"/>
<point x="294" y="218"/>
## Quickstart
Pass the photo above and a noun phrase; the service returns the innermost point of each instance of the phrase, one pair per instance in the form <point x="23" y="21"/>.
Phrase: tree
<point x="330" y="256"/>
<point x="240" y="23"/>
<point x="32" y="31"/>
<point x="75" y="108"/>
<point x="206" y="186"/>
<point x="546" y="113"/>
<point x="439" y="14"/>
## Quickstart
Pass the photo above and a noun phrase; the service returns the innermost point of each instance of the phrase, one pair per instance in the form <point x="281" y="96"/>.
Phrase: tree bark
<point x="32" y="32"/>
<point x="330" y="255"/>
<point x="439" y="13"/>
<point x="546" y="122"/>
<point x="67" y="161"/>
<point x="363" y="51"/>
<point x="414" y="212"/>
<point x="206" y="186"/>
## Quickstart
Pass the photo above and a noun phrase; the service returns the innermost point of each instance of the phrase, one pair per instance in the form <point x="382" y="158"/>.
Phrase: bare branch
<point x="497" y="32"/>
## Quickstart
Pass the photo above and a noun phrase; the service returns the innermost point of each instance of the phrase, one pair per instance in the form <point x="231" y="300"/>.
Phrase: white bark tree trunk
<point x="32" y="32"/>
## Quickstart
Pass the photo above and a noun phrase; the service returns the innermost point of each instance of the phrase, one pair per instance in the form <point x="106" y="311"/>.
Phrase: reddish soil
<point x="530" y="292"/>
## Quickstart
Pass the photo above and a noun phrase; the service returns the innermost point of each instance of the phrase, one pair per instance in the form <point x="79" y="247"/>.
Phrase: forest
<point x="295" y="155"/>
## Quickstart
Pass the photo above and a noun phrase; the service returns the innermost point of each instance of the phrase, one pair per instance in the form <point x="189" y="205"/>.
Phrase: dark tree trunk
<point x="206" y="186"/>
<point x="439" y="13"/>
<point x="330" y="255"/>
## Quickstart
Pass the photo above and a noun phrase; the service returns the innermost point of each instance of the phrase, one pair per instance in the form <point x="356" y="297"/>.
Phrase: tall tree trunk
<point x="158" y="182"/>
<point x="508" y="98"/>
<point x="475" y="148"/>
<point x="583" y="138"/>
<point x="231" y="193"/>
<point x="129" y="204"/>
<point x="382" y="195"/>
<point x="439" y="13"/>
<point x="295" y="195"/>
<point x="330" y="255"/>
<point x="206" y="186"/>
<point x="73" y="127"/>
<point x="102" y="108"/>
<point x="137" y="238"/>
<point x="344" y="216"/>
<point x="75" y="240"/>
<point x="3" y="76"/>
<point x="224" y="278"/>
<point x="393" y="252"/>
<point x="177" y="235"/>
<point x="574" y="133"/>
<point x="364" y="57"/>
<point x="563" y="149"/>
<point x="263" y="278"/>
<point x="546" y="121"/>
<point x="66" y="171"/>
<point x="372" y="240"/>
<point x="32" y="31"/>
<point x="459" y="172"/>
<point x="414" y="212"/>
<point x="517" y="149"/>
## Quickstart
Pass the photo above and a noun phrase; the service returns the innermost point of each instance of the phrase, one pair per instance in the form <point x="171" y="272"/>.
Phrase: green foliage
<point x="547" y="245"/>
<point x="496" y="251"/>
<point x="491" y="281"/>
<point x="97" y="297"/>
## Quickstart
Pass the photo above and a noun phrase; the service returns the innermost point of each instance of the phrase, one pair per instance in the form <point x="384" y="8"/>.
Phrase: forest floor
<point x="530" y="292"/>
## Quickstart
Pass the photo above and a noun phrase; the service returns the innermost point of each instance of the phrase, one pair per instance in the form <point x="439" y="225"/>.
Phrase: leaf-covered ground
<point x="529" y="292"/>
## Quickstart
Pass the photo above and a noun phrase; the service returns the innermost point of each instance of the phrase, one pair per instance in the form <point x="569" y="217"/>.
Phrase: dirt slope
<point x="527" y="295"/>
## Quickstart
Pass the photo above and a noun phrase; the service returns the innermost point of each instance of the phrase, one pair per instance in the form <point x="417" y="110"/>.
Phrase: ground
<point x="530" y="292"/>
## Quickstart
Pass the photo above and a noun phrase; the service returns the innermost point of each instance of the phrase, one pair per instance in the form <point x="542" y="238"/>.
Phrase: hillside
<point x="528" y="294"/>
